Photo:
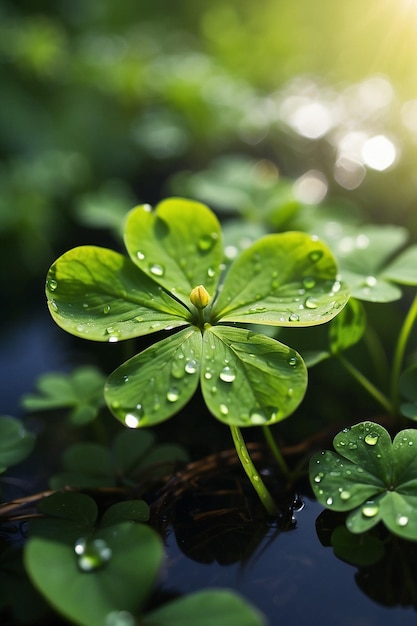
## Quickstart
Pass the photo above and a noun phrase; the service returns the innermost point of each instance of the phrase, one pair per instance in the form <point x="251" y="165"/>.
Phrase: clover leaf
<point x="81" y="391"/>
<point x="408" y="389"/>
<point x="16" y="443"/>
<point x="371" y="476"/>
<point x="365" y="255"/>
<point x="174" y="281"/>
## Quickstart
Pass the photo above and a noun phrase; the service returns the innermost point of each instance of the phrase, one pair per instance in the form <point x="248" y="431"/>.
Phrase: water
<point x="291" y="578"/>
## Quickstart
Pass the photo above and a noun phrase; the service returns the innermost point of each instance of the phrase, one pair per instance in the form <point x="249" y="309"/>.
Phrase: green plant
<point x="173" y="279"/>
<point x="16" y="443"/>
<point x="104" y="572"/>
<point x="371" y="476"/>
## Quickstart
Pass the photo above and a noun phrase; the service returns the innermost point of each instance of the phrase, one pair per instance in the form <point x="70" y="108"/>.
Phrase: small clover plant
<point x="174" y="280"/>
<point x="372" y="477"/>
<point x="16" y="443"/>
<point x="103" y="572"/>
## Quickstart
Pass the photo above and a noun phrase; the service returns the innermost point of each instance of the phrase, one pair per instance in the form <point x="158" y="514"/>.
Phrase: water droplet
<point x="294" y="317"/>
<point x="318" y="477"/>
<point x="191" y="366"/>
<point x="92" y="554"/>
<point x="290" y="392"/>
<point x="223" y="409"/>
<point x="115" y="404"/>
<point x="52" y="284"/>
<point x="120" y="618"/>
<point x="156" y="269"/>
<point x="173" y="394"/>
<point x="177" y="370"/>
<point x="140" y="255"/>
<point x="402" y="520"/>
<point x="53" y="305"/>
<point x="370" y="281"/>
<point x="231" y="252"/>
<point x="329" y="501"/>
<point x="310" y="303"/>
<point x="293" y="361"/>
<point x="208" y="374"/>
<point x="315" y="255"/>
<point x="211" y="272"/>
<point x="344" y="494"/>
<point x="138" y="319"/>
<point x="114" y="334"/>
<point x="206" y="242"/>
<point x="106" y="309"/>
<point x="352" y="445"/>
<point x="371" y="439"/>
<point x="410" y="443"/>
<point x="309" y="282"/>
<point x="257" y="418"/>
<point x="370" y="509"/>
<point x="85" y="305"/>
<point x="227" y="375"/>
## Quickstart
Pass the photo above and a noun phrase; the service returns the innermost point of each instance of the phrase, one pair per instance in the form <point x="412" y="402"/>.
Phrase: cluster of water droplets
<point x="92" y="554"/>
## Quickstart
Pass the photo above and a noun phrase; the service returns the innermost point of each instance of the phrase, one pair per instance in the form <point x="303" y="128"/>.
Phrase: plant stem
<point x="252" y="472"/>
<point x="276" y="451"/>
<point x="400" y="351"/>
<point x="366" y="383"/>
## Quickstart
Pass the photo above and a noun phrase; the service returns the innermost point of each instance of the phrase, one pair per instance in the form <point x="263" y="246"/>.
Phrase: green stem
<point x="366" y="384"/>
<point x="252" y="472"/>
<point x="400" y="351"/>
<point x="276" y="451"/>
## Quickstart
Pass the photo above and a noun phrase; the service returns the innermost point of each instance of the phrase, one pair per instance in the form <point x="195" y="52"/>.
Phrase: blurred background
<point x="108" y="104"/>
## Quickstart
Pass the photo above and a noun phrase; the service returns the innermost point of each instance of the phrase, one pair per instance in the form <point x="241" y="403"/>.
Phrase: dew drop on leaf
<point x="140" y="255"/>
<point x="315" y="255"/>
<point x="156" y="269"/>
<point x="402" y="520"/>
<point x="223" y="409"/>
<point x="370" y="509"/>
<point x="371" y="281"/>
<point x="318" y="477"/>
<point x="345" y="495"/>
<point x="191" y="367"/>
<point x="52" y="284"/>
<point x="206" y="242"/>
<point x="211" y="272"/>
<point x="173" y="394"/>
<point x="329" y="501"/>
<point x="371" y="440"/>
<point x="294" y="317"/>
<point x="208" y="375"/>
<point x="106" y="309"/>
<point x="227" y="375"/>
<point x="308" y="282"/>
<point x="53" y="305"/>
<point x="293" y="361"/>
<point x="92" y="555"/>
<point x="257" y="418"/>
<point x="120" y="618"/>
<point x="310" y="303"/>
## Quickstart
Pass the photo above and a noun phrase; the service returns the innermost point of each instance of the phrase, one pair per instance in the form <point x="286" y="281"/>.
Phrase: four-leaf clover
<point x="175" y="280"/>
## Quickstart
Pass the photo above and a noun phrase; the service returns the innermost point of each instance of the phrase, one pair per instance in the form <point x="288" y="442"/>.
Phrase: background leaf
<point x="347" y="328"/>
<point x="249" y="379"/>
<point x="206" y="608"/>
<point x="179" y="245"/>
<point x="158" y="382"/>
<point x="16" y="443"/>
<point x="287" y="279"/>
<point x="101" y="295"/>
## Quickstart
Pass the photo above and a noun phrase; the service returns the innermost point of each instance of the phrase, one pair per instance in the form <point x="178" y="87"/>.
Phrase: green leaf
<point x="179" y="245"/>
<point x="126" y="511"/>
<point x="81" y="390"/>
<point x="206" y="608"/>
<point x="86" y="579"/>
<point x="101" y="295"/>
<point x="249" y="379"/>
<point x="85" y="465"/>
<point x="364" y="257"/>
<point x="347" y="328"/>
<point x="158" y="382"/>
<point x="362" y="550"/>
<point x="16" y="443"/>
<point x="373" y="476"/>
<point x="76" y="507"/>
<point x="287" y="279"/>
<point x="403" y="269"/>
<point x="408" y="388"/>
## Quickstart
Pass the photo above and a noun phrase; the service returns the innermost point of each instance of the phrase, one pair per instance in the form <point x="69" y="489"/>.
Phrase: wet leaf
<point x="248" y="379"/>
<point x="87" y="576"/>
<point x="287" y="279"/>
<point x="372" y="475"/>
<point x="158" y="382"/>
<point x="408" y="389"/>
<point x="101" y="295"/>
<point x="178" y="245"/>
<point x="16" y="443"/>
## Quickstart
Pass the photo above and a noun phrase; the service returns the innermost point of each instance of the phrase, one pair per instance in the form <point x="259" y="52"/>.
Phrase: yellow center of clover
<point x="200" y="297"/>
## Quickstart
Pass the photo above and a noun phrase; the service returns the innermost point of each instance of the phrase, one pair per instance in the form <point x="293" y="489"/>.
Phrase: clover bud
<point x="200" y="297"/>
